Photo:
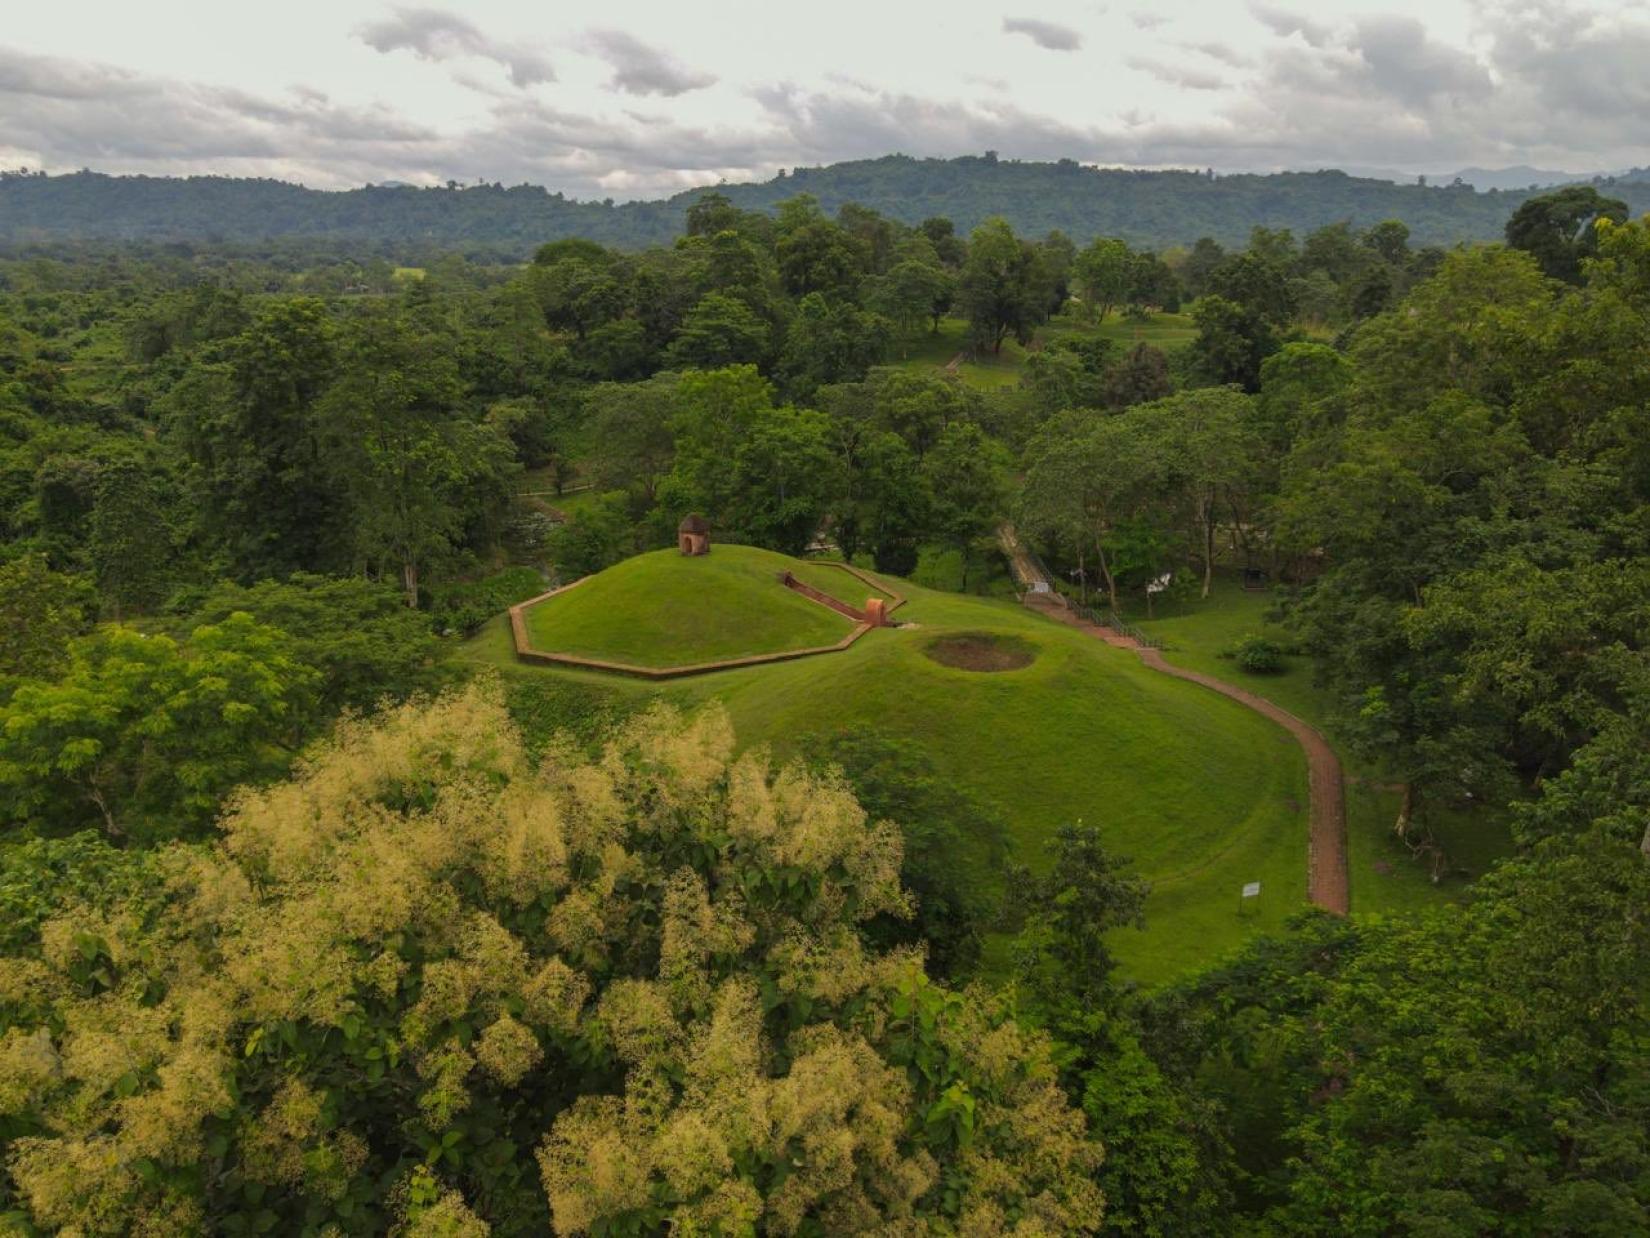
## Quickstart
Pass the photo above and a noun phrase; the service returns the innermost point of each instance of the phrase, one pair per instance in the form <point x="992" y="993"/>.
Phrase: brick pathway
<point x="1326" y="866"/>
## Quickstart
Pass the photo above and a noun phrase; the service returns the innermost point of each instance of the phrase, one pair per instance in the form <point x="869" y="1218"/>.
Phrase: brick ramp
<point x="1327" y="884"/>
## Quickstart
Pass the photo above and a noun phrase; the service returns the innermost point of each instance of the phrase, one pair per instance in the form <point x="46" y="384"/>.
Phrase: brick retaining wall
<point x="526" y="653"/>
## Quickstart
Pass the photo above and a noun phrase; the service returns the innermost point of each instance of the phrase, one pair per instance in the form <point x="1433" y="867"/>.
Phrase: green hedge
<point x="465" y="606"/>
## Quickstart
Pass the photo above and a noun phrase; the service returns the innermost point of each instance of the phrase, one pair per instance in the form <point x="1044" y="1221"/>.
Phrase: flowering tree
<point x="421" y="958"/>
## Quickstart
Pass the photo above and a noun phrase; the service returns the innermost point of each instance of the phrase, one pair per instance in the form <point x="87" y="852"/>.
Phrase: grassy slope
<point x="1197" y="631"/>
<point x="1166" y="331"/>
<point x="841" y="585"/>
<point x="988" y="371"/>
<point x="1202" y="793"/>
<point x="661" y="609"/>
<point x="934" y="349"/>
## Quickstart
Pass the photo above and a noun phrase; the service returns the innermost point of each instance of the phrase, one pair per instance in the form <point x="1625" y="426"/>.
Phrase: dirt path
<point x="1326" y="865"/>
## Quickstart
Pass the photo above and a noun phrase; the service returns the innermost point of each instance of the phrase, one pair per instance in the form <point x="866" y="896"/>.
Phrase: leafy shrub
<point x="1258" y="656"/>
<point x="597" y="537"/>
<point x="545" y="706"/>
<point x="527" y="534"/>
<point x="360" y="635"/>
<point x="956" y="844"/>
<point x="465" y="606"/>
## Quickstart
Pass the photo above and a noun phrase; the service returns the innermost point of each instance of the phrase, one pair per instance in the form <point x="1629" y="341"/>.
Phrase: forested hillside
<point x="1144" y="208"/>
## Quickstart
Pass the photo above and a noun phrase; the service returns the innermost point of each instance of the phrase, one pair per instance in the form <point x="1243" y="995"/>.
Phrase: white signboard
<point x="1252" y="890"/>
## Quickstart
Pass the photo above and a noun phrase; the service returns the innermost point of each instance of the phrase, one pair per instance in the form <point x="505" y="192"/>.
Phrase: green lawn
<point x="931" y="351"/>
<point x="1202" y="793"/>
<point x="1166" y="331"/>
<point x="989" y="371"/>
<point x="662" y="609"/>
<point x="843" y="586"/>
<point x="1384" y="876"/>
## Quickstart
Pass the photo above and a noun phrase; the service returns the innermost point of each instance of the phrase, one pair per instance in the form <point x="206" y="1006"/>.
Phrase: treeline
<point x="1147" y="209"/>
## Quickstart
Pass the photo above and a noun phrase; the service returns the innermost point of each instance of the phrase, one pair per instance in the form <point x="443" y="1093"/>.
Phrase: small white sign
<point x="1252" y="890"/>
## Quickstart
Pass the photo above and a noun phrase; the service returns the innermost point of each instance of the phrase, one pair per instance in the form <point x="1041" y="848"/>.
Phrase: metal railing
<point x="1106" y="619"/>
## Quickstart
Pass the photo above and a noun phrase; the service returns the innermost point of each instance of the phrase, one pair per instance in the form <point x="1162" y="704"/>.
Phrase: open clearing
<point x="1384" y="877"/>
<point x="989" y="371"/>
<point x="1202" y="793"/>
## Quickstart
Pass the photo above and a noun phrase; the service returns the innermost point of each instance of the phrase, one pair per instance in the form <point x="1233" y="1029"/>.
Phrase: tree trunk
<point x="1406" y="812"/>
<point x="1208" y="546"/>
<point x="110" y="826"/>
<point x="409" y="582"/>
<point x="1105" y="574"/>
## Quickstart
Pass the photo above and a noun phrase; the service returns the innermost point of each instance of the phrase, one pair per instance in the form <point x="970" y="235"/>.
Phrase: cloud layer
<point x="436" y="35"/>
<point x="1536" y="81"/>
<point x="642" y="70"/>
<point x="1051" y="35"/>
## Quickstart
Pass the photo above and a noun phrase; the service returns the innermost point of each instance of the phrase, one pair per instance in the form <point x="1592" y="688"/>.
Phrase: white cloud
<point x="1046" y="34"/>
<point x="432" y="34"/>
<point x="1186" y="77"/>
<point x="1285" y="22"/>
<point x="642" y="70"/>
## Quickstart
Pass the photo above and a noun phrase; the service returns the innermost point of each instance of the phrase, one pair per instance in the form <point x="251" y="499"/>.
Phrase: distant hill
<point x="1520" y="176"/>
<point x="1145" y="208"/>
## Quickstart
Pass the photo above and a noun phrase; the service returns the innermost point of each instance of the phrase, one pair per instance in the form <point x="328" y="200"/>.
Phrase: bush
<point x="597" y="537"/>
<point x="1258" y="656"/>
<point x="465" y="606"/>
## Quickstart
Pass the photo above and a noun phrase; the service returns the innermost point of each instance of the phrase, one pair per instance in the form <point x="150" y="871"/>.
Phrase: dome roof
<point x="693" y="523"/>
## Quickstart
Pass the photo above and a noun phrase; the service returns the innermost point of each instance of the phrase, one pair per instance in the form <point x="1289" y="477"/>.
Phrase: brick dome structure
<point x="693" y="535"/>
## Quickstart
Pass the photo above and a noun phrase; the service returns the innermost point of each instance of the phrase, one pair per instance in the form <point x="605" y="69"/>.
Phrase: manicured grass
<point x="663" y="609"/>
<point x="572" y="502"/>
<point x="931" y="351"/>
<point x="1385" y="878"/>
<point x="988" y="371"/>
<point x="843" y="586"/>
<point x="1168" y="332"/>
<point x="1202" y="793"/>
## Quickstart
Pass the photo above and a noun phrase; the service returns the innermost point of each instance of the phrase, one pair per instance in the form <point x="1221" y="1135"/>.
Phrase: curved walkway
<point x="1326" y="867"/>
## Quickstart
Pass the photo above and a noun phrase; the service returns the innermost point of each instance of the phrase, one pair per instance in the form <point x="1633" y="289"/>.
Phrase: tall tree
<point x="1560" y="229"/>
<point x="251" y="430"/>
<point x="1003" y="288"/>
<point x="413" y="465"/>
<point x="967" y="474"/>
<point x="1101" y="273"/>
<point x="131" y="543"/>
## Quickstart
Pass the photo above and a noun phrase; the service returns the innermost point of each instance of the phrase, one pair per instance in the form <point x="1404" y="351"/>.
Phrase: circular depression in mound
<point x="981" y="651"/>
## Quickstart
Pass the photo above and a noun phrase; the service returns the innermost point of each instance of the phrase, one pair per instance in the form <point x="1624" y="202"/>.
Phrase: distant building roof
<point x="693" y="522"/>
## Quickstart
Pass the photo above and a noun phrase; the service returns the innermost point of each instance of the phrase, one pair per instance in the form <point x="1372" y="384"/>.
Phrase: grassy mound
<point x="1202" y="793"/>
<point x="981" y="651"/>
<point x="843" y="586"/>
<point x="664" y="609"/>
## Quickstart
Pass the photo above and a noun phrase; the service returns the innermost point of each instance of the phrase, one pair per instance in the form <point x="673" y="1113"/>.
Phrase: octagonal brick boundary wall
<point x="526" y="653"/>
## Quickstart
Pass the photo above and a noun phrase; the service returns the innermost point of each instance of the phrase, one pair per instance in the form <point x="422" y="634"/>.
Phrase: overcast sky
<point x="639" y="98"/>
